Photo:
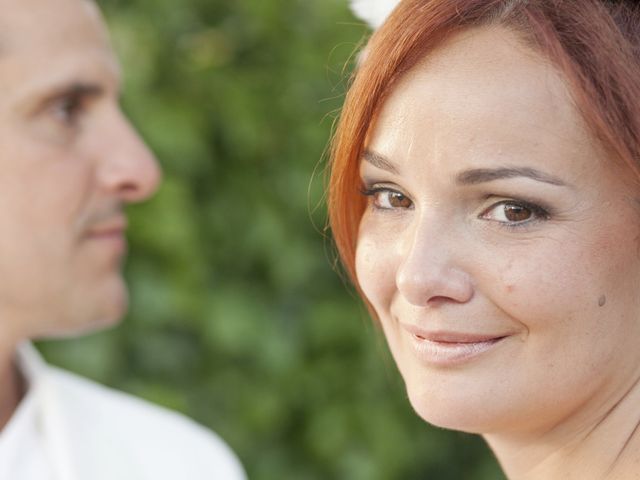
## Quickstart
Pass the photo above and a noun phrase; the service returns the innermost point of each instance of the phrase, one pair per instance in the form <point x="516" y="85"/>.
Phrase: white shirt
<point x="69" y="428"/>
<point x="22" y="452"/>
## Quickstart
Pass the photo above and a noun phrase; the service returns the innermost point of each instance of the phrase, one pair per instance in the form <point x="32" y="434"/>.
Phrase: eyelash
<point x="538" y="212"/>
<point x="373" y="191"/>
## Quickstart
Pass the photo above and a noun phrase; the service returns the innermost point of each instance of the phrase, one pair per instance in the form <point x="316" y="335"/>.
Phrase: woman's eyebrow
<point x="482" y="175"/>
<point x="472" y="176"/>
<point x="379" y="161"/>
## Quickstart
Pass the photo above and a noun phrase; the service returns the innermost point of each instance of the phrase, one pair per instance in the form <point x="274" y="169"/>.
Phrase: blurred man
<point x="69" y="163"/>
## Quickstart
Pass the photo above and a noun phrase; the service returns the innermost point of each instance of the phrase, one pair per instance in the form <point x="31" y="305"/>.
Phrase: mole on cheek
<point x="602" y="300"/>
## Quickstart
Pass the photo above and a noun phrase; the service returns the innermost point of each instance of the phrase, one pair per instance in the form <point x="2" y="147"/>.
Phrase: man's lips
<point x="111" y="228"/>
<point x="109" y="235"/>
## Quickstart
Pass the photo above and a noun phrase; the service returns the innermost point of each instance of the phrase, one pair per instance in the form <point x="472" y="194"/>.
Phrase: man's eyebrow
<point x="78" y="89"/>
<point x="482" y="175"/>
<point x="379" y="161"/>
<point x="42" y="97"/>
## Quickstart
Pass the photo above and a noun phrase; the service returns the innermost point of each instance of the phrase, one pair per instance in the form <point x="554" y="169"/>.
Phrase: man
<point x="69" y="163"/>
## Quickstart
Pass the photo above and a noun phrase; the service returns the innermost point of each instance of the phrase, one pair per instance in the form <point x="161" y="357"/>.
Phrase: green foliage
<point x="237" y="318"/>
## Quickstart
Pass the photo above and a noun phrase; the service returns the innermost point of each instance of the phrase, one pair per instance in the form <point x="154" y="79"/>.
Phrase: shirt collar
<point x="51" y="423"/>
<point x="31" y="365"/>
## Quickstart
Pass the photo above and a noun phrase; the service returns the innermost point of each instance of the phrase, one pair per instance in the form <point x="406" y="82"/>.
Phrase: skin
<point x="493" y="212"/>
<point x="69" y="163"/>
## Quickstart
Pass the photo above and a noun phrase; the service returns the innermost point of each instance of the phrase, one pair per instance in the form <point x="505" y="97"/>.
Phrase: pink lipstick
<point x="442" y="348"/>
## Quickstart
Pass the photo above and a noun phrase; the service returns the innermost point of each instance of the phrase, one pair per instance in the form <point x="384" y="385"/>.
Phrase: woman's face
<point x="500" y="246"/>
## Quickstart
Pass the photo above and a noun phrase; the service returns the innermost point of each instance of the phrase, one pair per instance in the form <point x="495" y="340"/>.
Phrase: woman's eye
<point x="387" y="199"/>
<point x="514" y="213"/>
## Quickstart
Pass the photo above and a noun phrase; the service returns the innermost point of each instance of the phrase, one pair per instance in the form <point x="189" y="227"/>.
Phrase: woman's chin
<point x="452" y="413"/>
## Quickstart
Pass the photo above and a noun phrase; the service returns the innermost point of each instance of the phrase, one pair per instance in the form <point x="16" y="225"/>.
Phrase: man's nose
<point x="127" y="168"/>
<point x="429" y="271"/>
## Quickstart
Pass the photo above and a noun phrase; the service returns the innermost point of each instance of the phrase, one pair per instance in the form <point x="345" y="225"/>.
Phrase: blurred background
<point x="238" y="318"/>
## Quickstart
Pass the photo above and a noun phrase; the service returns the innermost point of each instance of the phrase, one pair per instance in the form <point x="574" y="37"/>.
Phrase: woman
<point x="485" y="200"/>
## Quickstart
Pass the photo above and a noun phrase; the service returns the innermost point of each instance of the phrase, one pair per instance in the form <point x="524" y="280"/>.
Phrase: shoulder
<point x="175" y="442"/>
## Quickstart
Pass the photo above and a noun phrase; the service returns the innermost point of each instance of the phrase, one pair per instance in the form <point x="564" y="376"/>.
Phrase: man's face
<point x="69" y="162"/>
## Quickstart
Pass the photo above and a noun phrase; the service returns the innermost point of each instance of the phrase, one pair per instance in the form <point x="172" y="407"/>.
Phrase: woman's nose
<point x="429" y="269"/>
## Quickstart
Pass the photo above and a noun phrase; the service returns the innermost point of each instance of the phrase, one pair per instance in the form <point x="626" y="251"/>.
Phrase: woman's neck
<point x="601" y="440"/>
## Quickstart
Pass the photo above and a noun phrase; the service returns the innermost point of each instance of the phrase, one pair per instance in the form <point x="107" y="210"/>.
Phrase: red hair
<point x="594" y="44"/>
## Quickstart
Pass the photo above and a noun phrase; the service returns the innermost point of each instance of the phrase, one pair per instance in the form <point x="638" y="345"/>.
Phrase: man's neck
<point x="587" y="446"/>
<point x="12" y="386"/>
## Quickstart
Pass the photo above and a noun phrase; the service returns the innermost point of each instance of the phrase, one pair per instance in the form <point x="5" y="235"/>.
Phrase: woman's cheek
<point x="543" y="287"/>
<point x="375" y="267"/>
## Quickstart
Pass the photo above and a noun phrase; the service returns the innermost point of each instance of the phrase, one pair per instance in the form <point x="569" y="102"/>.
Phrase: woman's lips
<point x="444" y="348"/>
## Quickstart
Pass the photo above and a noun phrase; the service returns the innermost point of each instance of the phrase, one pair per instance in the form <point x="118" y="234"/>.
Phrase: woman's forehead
<point x="482" y="90"/>
<point x="488" y="63"/>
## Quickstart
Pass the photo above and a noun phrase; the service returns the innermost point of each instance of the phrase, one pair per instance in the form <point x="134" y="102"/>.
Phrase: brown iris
<point x="516" y="213"/>
<point x="398" y="200"/>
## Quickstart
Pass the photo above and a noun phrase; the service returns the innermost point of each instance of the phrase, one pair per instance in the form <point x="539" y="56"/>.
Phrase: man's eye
<point x="513" y="212"/>
<point x="387" y="199"/>
<point x="68" y="109"/>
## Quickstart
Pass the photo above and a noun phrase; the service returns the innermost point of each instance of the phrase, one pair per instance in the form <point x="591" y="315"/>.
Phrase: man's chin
<point x="110" y="315"/>
<point x="98" y="311"/>
<point x="76" y="329"/>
